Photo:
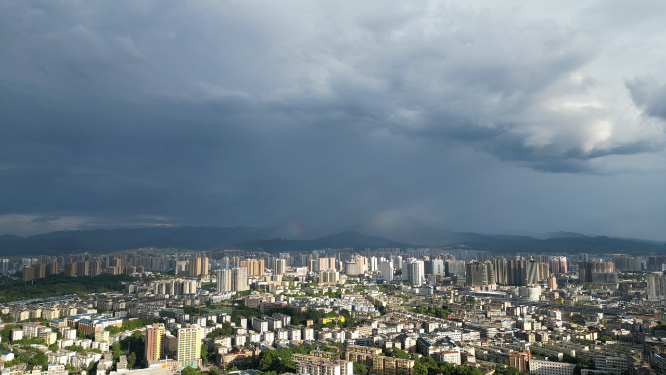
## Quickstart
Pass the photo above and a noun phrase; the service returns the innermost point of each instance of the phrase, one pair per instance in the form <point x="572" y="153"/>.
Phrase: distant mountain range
<point x="107" y="241"/>
<point x="400" y="233"/>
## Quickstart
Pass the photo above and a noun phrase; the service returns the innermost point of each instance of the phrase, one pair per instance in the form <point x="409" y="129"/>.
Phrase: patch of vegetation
<point x="501" y="369"/>
<point x="398" y="353"/>
<point x="387" y="288"/>
<point x="298" y="318"/>
<point x="132" y="325"/>
<point x="30" y="356"/>
<point x="226" y="330"/>
<point x="437" y="312"/>
<point x="274" y="362"/>
<point x="59" y="285"/>
<point x="428" y="366"/>
<point x="6" y="332"/>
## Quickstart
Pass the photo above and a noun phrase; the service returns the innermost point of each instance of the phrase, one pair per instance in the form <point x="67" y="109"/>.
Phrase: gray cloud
<point x="232" y="113"/>
<point x="44" y="219"/>
<point x="648" y="94"/>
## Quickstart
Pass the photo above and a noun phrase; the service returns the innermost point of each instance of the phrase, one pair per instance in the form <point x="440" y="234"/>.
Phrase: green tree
<point x="131" y="360"/>
<point x="204" y="354"/>
<point x="360" y="369"/>
<point x="266" y="359"/>
<point x="397" y="353"/>
<point x="420" y="369"/>
<point x="190" y="371"/>
<point x="116" y="350"/>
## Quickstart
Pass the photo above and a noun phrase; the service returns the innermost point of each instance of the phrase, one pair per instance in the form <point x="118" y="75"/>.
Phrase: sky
<point x="483" y="116"/>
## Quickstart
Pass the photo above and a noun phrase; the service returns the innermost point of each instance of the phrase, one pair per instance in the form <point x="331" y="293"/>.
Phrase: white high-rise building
<point x="386" y="269"/>
<point x="374" y="266"/>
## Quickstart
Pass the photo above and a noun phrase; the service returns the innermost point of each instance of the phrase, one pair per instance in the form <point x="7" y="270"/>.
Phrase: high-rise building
<point x="194" y="267"/>
<point x="82" y="268"/>
<point x="28" y="273"/>
<point x="232" y="280"/>
<point x="656" y="287"/>
<point x="69" y="269"/>
<point x="255" y="267"/>
<point x="329" y="276"/>
<point x="154" y="349"/>
<point x="558" y="265"/>
<point x="434" y="267"/>
<point x="500" y="267"/>
<point x="225" y="262"/>
<point x="52" y="269"/>
<point x="416" y="272"/>
<point x="280" y="266"/>
<point x="479" y="274"/>
<point x="516" y="272"/>
<point x="587" y="269"/>
<point x="532" y="271"/>
<point x="520" y="360"/>
<point x="223" y="280"/>
<point x="204" y="266"/>
<point x="397" y="262"/>
<point x="352" y="269"/>
<point x="189" y="345"/>
<point x="373" y="264"/>
<point x="95" y="268"/>
<point x="326" y="263"/>
<point x="386" y="269"/>
<point x="627" y="262"/>
<point x="454" y="268"/>
<point x="239" y="279"/>
<point x="40" y="270"/>
<point x="198" y="266"/>
<point x="180" y="267"/>
<point x="362" y="264"/>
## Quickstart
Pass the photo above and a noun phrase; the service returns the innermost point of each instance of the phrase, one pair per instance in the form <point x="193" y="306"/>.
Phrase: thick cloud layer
<point x="324" y="113"/>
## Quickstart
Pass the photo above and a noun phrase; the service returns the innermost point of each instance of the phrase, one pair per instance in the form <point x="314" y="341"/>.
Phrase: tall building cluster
<point x="255" y="267"/>
<point x="232" y="280"/>
<point x="592" y="271"/>
<point x="518" y="272"/>
<point x="188" y="342"/>
<point x="198" y="266"/>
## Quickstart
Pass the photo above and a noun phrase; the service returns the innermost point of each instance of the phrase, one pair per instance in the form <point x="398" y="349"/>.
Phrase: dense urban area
<point x="385" y="311"/>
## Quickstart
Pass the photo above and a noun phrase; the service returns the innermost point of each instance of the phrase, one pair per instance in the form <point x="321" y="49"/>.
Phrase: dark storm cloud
<point x="231" y="113"/>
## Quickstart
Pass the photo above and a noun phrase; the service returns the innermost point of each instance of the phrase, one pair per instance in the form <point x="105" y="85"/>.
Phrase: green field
<point x="59" y="285"/>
